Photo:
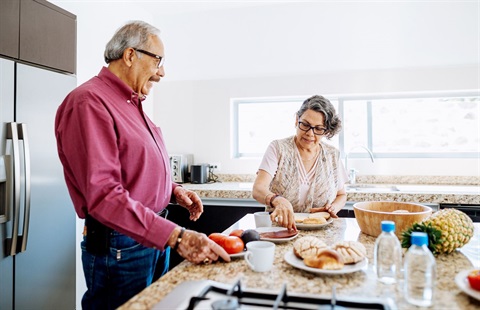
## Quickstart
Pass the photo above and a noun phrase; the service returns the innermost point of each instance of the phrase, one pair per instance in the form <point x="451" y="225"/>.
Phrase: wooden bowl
<point x="370" y="214"/>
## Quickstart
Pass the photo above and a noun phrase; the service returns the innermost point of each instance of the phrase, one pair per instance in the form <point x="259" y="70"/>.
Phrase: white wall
<point x="311" y="48"/>
<point x="215" y="52"/>
<point x="249" y="49"/>
<point x="195" y="115"/>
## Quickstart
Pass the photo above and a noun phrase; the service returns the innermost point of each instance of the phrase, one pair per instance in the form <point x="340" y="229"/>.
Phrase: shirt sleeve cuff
<point x="159" y="233"/>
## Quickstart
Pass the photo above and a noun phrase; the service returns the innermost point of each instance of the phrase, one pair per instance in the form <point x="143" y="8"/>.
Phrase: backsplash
<point x="380" y="179"/>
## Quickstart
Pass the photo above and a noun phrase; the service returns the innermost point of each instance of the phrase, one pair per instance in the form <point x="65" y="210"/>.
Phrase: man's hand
<point x="198" y="248"/>
<point x="190" y="201"/>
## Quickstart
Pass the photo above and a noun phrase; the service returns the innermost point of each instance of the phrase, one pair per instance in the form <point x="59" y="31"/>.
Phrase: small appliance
<point x="180" y="166"/>
<point x="199" y="173"/>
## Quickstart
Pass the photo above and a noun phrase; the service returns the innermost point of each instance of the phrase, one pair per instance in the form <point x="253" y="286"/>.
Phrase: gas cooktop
<point x="213" y="295"/>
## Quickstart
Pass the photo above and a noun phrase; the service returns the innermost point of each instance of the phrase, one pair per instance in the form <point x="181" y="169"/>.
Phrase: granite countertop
<point x="420" y="193"/>
<point x="358" y="284"/>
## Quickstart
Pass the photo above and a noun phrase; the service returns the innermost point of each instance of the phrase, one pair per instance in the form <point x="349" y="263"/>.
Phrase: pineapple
<point x="447" y="229"/>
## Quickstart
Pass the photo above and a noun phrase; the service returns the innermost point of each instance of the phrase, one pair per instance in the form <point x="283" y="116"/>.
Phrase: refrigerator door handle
<point x="11" y="243"/>
<point x="23" y="135"/>
<point x="5" y="188"/>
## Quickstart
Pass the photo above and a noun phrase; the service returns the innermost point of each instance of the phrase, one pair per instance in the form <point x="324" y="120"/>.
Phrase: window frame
<point x="340" y="99"/>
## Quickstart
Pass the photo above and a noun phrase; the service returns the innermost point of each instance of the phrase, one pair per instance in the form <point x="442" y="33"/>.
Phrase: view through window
<point x="407" y="126"/>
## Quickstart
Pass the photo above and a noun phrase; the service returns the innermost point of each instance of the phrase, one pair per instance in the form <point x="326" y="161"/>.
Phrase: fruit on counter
<point x="474" y="279"/>
<point x="231" y="244"/>
<point x="236" y="232"/>
<point x="447" y="229"/>
<point x="218" y="238"/>
<point x="250" y="235"/>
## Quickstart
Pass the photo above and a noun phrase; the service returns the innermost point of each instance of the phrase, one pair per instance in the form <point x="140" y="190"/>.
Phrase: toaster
<point x="180" y="167"/>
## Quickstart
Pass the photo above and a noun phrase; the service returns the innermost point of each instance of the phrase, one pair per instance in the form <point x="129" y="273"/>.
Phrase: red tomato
<point x="233" y="244"/>
<point x="236" y="232"/>
<point x="474" y="279"/>
<point x="218" y="238"/>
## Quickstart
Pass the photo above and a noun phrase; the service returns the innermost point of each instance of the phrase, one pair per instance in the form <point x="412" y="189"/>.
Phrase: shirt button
<point x="128" y="101"/>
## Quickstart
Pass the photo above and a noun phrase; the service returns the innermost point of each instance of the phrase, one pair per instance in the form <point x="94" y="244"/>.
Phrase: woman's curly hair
<point x="317" y="103"/>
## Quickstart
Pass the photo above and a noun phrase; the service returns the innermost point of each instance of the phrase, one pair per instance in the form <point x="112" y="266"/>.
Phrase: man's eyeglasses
<point x="316" y="130"/>
<point x="161" y="59"/>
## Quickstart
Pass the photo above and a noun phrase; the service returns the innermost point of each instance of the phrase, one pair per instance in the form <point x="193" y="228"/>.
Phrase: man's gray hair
<point x="133" y="34"/>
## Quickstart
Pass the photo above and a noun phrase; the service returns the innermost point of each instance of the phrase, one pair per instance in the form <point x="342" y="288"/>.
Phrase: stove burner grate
<point x="233" y="297"/>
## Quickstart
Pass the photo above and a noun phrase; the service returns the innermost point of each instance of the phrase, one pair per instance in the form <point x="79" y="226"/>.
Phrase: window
<point x="423" y="125"/>
<point x="257" y="122"/>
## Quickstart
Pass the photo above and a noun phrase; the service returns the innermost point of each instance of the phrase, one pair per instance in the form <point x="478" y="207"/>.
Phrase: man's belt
<point x="98" y="235"/>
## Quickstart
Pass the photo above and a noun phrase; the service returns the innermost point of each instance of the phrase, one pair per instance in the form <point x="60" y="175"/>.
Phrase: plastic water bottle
<point x="387" y="255"/>
<point x="420" y="271"/>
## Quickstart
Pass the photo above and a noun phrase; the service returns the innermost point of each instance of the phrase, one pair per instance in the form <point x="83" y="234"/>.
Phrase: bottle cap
<point x="388" y="226"/>
<point x="419" y="238"/>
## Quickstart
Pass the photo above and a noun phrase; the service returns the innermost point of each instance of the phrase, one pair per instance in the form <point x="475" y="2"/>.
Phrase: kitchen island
<point x="358" y="284"/>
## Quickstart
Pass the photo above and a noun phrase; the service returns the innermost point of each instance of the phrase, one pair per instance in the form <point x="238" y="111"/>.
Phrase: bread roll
<point x="351" y="251"/>
<point x="310" y="220"/>
<point x="308" y="245"/>
<point x="325" y="259"/>
<point x="298" y="218"/>
<point x="317" y="215"/>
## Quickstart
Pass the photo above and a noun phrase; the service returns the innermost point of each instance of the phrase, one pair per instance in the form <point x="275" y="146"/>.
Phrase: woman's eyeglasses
<point x="316" y="130"/>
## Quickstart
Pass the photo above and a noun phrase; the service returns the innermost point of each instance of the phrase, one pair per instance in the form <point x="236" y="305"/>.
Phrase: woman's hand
<point x="198" y="248"/>
<point x="283" y="213"/>
<point x="326" y="208"/>
<point x="190" y="201"/>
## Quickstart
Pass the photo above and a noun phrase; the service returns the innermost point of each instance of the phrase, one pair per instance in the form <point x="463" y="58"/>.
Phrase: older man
<point x="117" y="171"/>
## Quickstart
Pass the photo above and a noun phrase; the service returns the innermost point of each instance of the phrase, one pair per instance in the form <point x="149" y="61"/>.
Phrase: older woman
<point x="302" y="173"/>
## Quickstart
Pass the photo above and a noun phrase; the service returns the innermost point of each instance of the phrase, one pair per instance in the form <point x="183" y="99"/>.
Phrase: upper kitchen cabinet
<point x="38" y="32"/>
<point x="47" y="35"/>
<point x="9" y="27"/>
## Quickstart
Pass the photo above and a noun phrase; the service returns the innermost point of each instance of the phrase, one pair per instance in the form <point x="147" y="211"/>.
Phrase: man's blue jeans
<point x="113" y="279"/>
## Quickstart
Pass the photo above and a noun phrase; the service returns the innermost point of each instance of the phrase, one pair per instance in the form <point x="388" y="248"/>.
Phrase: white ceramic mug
<point x="260" y="255"/>
<point x="262" y="219"/>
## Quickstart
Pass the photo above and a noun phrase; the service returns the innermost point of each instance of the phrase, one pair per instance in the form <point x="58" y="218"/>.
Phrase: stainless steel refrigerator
<point x="37" y="219"/>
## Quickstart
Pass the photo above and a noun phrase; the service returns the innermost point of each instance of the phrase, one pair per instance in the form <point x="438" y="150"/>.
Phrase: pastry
<point x="351" y="251"/>
<point x="298" y="218"/>
<point x="322" y="214"/>
<point x="313" y="220"/>
<point x="325" y="259"/>
<point x="308" y="245"/>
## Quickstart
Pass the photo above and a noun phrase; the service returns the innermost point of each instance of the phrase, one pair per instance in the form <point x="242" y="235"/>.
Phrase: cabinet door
<point x="9" y="27"/>
<point x="48" y="35"/>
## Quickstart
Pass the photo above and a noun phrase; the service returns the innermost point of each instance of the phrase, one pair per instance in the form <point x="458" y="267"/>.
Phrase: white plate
<point x="272" y="229"/>
<point x="462" y="283"/>
<point x="241" y="254"/>
<point x="310" y="226"/>
<point x="296" y="262"/>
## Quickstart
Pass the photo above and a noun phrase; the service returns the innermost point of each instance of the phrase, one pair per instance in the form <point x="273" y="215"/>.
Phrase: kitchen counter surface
<point x="420" y="193"/>
<point x="358" y="284"/>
